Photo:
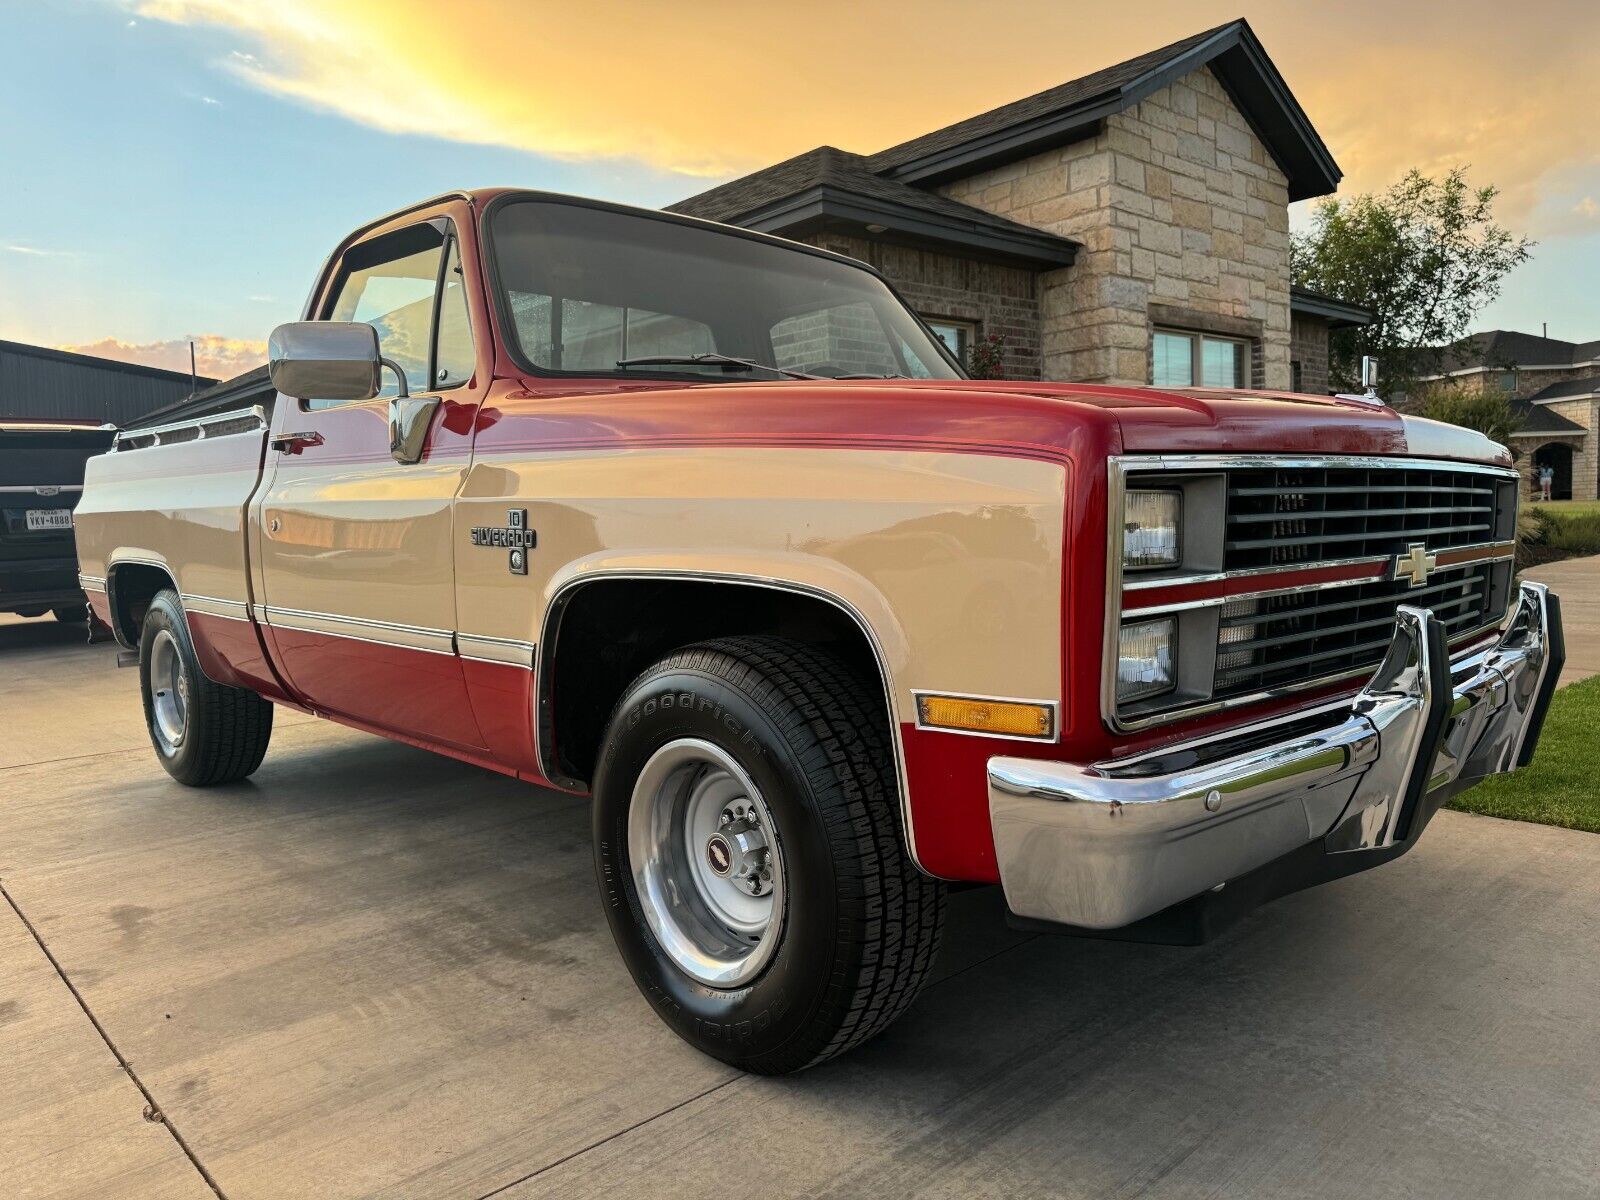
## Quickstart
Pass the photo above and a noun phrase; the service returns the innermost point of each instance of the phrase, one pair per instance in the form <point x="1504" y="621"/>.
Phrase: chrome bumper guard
<point x="1105" y="845"/>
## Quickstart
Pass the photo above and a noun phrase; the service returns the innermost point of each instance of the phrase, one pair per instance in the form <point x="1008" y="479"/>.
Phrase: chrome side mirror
<point x="410" y="418"/>
<point x="326" y="360"/>
<point x="1369" y="374"/>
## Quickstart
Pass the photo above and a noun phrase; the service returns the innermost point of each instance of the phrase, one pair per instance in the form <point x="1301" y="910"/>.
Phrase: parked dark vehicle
<point x="41" y="478"/>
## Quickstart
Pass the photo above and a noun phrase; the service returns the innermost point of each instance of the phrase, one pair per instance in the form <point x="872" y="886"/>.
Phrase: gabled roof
<point x="1508" y="348"/>
<point x="1537" y="419"/>
<point x="832" y="186"/>
<point x="890" y="188"/>
<point x="1073" y="110"/>
<point x="1568" y="388"/>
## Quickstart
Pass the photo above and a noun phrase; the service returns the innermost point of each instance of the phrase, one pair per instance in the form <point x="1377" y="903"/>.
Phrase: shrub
<point x="1489" y="413"/>
<point x="1574" y="533"/>
<point x="1533" y="525"/>
<point x="985" y="358"/>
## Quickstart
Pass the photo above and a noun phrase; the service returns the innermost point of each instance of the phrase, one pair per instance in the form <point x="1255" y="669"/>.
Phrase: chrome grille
<point x="1261" y="525"/>
<point x="1295" y="516"/>
<point x="1271" y="641"/>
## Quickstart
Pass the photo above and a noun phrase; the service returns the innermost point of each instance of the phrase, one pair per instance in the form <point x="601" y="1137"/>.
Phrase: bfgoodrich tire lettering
<point x="203" y="733"/>
<point x="859" y="923"/>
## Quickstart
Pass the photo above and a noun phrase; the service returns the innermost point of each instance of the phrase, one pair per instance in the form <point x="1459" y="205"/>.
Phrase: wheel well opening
<point x="608" y="632"/>
<point x="131" y="587"/>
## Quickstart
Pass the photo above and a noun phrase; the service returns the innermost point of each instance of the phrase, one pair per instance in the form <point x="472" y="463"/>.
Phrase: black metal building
<point x="36" y="381"/>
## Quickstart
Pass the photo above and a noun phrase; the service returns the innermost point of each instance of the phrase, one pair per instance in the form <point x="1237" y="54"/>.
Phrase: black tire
<point x="71" y="614"/>
<point x="225" y="730"/>
<point x="860" y="925"/>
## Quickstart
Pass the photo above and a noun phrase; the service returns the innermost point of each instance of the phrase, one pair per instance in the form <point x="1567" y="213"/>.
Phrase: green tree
<point x="1424" y="256"/>
<point x="1490" y="413"/>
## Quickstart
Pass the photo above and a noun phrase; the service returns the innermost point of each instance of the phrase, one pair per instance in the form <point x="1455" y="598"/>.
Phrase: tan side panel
<point x="181" y="505"/>
<point x="369" y="539"/>
<point x="954" y="559"/>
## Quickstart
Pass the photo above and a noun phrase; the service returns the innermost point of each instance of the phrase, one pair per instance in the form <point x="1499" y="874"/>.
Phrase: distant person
<point x="1547" y="480"/>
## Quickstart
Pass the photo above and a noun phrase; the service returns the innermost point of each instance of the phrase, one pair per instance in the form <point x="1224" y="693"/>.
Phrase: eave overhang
<point x="827" y="207"/>
<point x="1338" y="313"/>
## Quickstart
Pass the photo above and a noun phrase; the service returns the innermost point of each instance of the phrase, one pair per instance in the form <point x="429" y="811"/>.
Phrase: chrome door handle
<point x="293" y="443"/>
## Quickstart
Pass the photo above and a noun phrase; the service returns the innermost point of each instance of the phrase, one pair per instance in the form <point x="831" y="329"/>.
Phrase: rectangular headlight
<point x="1150" y="529"/>
<point x="1147" y="658"/>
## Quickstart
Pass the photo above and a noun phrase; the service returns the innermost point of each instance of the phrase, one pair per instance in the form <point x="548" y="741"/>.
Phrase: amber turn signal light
<point x="969" y="715"/>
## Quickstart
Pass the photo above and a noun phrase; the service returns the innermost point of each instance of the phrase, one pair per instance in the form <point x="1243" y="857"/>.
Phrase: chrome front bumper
<point x="1105" y="845"/>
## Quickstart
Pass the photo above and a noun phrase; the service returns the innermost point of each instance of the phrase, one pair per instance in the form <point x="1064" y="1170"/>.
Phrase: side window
<point x="455" y="360"/>
<point x="390" y="283"/>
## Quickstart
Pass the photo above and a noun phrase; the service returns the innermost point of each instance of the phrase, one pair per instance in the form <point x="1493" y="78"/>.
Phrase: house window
<point x="1181" y="359"/>
<point x="1508" y="381"/>
<point x="956" y="335"/>
<point x="1295" y="376"/>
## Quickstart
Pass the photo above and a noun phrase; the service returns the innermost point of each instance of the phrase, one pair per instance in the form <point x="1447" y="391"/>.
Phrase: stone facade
<point x="1581" y="450"/>
<point x="1308" y="354"/>
<point x="1178" y="205"/>
<point x="994" y="298"/>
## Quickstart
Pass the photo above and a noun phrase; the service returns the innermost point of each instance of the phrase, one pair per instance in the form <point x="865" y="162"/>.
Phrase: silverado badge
<point x="514" y="536"/>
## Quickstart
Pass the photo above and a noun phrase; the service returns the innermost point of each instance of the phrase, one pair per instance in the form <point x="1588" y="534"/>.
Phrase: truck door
<point x="356" y="547"/>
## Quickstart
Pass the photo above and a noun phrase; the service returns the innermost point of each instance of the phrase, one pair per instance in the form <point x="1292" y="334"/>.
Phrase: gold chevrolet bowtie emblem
<point x="1415" y="564"/>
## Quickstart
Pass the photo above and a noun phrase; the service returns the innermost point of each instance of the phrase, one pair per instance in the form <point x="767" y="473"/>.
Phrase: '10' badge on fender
<point x="514" y="536"/>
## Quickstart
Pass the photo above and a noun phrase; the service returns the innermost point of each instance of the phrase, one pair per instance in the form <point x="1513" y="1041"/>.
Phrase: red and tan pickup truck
<point x="708" y="525"/>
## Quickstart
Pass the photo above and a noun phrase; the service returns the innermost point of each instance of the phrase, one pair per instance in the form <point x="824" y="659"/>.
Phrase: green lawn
<point x="1562" y="786"/>
<point x="1565" y="506"/>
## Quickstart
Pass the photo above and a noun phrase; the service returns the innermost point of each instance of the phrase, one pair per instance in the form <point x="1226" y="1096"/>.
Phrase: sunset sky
<point x="177" y="169"/>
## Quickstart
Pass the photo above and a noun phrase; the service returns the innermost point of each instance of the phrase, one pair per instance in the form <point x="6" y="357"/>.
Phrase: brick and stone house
<point x="1131" y="226"/>
<point x="1554" y="386"/>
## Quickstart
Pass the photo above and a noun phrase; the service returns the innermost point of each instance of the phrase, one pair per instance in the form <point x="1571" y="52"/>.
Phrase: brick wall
<point x="1177" y="203"/>
<point x="1308" y="346"/>
<point x="993" y="297"/>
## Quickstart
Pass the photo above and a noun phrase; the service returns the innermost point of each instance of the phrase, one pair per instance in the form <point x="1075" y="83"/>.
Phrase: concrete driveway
<point x="371" y="971"/>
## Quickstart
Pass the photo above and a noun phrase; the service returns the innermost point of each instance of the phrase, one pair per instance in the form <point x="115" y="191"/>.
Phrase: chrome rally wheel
<point x="706" y="863"/>
<point x="169" y="693"/>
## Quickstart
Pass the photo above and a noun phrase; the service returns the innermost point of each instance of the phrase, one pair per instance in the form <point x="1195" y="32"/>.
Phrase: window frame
<point x="499" y="300"/>
<point x="1197" y="339"/>
<point x="968" y="331"/>
<point x="446" y="227"/>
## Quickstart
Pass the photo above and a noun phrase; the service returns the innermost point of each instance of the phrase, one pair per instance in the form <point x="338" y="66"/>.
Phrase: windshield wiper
<point x="868" y="375"/>
<point x="726" y="361"/>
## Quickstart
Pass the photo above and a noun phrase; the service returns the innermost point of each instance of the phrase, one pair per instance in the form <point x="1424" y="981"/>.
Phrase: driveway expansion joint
<point x="152" y="1111"/>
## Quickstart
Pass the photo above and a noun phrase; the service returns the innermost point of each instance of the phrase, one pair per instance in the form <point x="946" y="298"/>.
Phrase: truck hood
<point x="1218" y="420"/>
<point x="1083" y="419"/>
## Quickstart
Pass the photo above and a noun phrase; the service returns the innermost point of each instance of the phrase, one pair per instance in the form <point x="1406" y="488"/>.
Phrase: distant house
<point x="1131" y="226"/>
<point x="1553" y="384"/>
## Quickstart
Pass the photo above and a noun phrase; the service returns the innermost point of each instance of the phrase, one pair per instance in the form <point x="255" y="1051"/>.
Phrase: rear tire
<point x="71" y="614"/>
<point x="750" y="853"/>
<point x="203" y="732"/>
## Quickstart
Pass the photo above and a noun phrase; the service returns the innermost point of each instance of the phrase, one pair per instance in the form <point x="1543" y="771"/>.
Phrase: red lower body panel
<point x="502" y="701"/>
<point x="231" y="653"/>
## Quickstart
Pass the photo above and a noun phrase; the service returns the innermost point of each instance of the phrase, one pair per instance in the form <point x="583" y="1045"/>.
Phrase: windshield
<point x="595" y="291"/>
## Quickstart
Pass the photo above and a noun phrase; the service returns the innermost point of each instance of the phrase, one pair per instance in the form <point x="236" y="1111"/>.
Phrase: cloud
<point x="36" y="252"/>
<point x="722" y="86"/>
<point x="216" y="356"/>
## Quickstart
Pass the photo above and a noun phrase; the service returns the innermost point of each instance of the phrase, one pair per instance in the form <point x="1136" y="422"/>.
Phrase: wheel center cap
<point x="719" y="854"/>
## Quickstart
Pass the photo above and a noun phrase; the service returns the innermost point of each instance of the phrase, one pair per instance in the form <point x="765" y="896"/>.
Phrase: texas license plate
<point x="49" y="518"/>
